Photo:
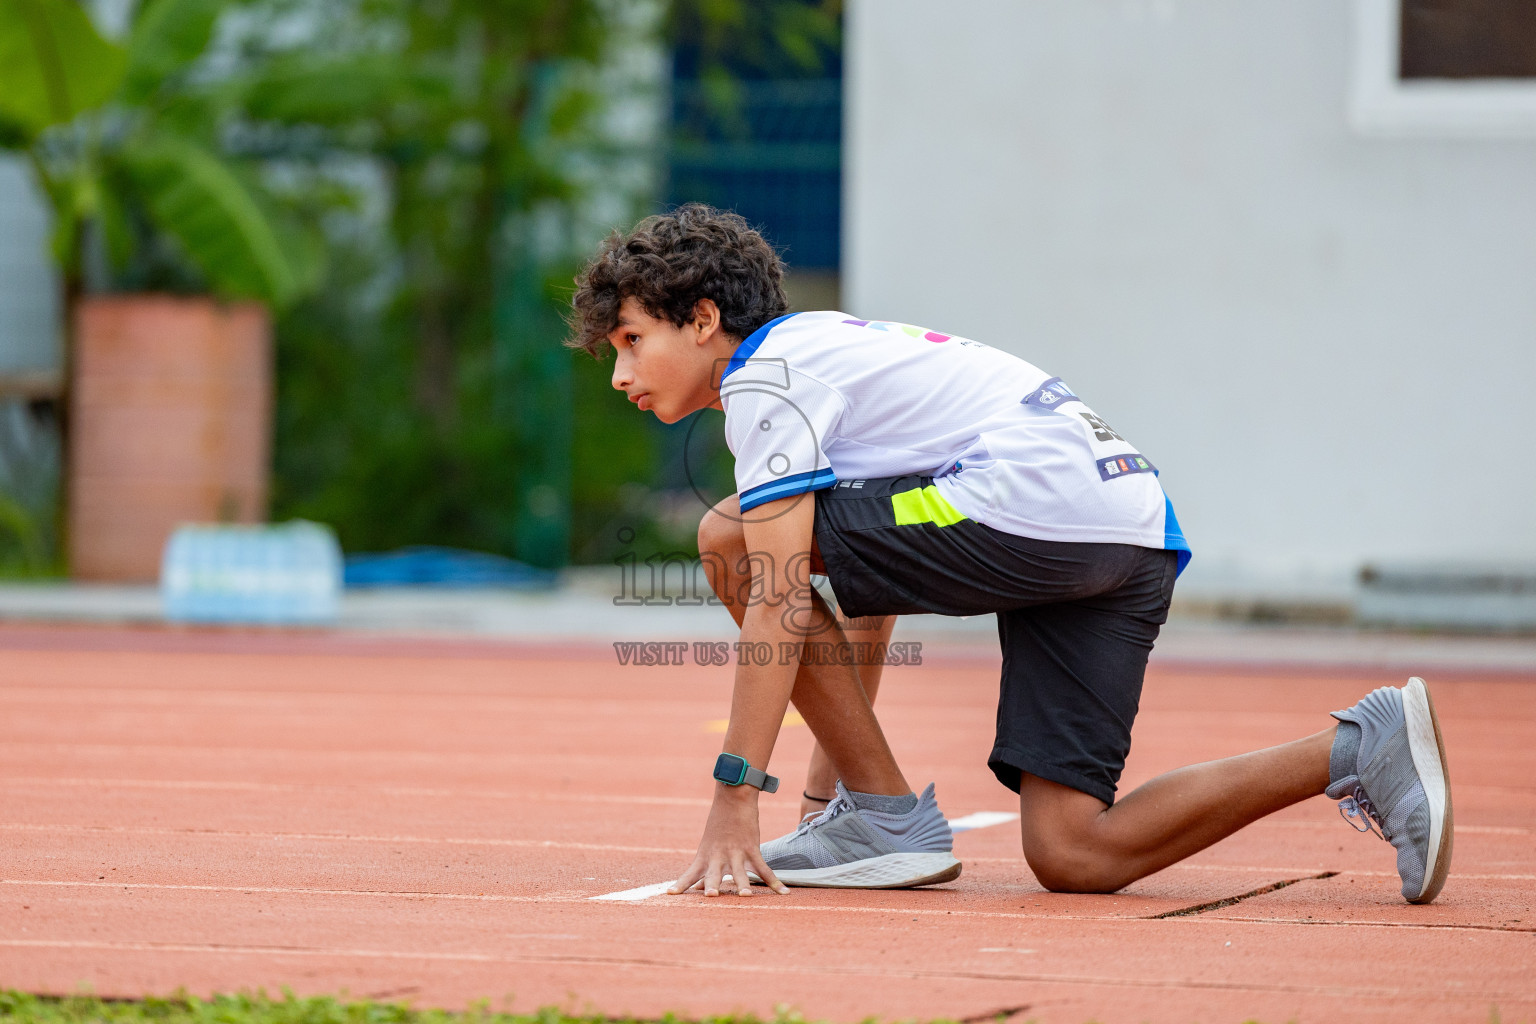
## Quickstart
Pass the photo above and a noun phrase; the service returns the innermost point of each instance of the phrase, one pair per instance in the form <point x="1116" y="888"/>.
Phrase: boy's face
<point x="663" y="368"/>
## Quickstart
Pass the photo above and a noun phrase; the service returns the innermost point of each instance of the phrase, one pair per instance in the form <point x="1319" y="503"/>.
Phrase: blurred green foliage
<point x="477" y="132"/>
<point x="449" y="148"/>
<point x="123" y="137"/>
<point x="725" y="41"/>
<point x="23" y="549"/>
<point x="21" y="1008"/>
<point x="454" y="161"/>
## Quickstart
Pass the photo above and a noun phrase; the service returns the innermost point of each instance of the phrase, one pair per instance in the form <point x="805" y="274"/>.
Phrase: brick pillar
<point x="171" y="415"/>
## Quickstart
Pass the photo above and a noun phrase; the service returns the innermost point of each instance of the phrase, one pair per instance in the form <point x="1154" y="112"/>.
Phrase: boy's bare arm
<point x="780" y="612"/>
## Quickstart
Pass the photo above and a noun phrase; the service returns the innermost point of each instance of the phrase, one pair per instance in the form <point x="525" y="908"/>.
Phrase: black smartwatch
<point x="733" y="770"/>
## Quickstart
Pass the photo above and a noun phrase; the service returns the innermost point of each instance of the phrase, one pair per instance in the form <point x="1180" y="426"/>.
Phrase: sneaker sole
<point x="891" y="871"/>
<point x="1427" y="746"/>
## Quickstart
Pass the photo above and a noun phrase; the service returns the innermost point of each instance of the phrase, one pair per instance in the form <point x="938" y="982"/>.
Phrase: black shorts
<point x="1076" y="621"/>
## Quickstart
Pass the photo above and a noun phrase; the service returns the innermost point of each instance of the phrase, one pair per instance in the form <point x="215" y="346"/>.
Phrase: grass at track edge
<point x="259" y="1008"/>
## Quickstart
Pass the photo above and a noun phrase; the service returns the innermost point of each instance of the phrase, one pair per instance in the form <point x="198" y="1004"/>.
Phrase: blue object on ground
<point x="275" y="575"/>
<point x="427" y="566"/>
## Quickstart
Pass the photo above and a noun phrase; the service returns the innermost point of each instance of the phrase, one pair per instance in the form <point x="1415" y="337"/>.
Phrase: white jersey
<point x="816" y="400"/>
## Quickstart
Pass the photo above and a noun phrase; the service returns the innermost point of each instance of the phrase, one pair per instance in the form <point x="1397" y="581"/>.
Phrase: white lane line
<point x="409" y="791"/>
<point x="981" y="819"/>
<point x="644" y="892"/>
<point x="146" y="830"/>
<point x="247" y="890"/>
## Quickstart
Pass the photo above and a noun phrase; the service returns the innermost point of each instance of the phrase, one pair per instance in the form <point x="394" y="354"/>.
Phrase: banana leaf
<point x="53" y="65"/>
<point x="167" y="36"/>
<point x="343" y="90"/>
<point x="223" y="227"/>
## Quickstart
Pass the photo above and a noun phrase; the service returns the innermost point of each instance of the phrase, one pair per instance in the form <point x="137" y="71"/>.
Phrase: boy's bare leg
<point x="821" y="778"/>
<point x="830" y="698"/>
<point x="1076" y="843"/>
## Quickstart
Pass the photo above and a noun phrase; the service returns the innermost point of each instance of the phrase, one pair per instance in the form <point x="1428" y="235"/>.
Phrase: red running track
<point x="428" y="821"/>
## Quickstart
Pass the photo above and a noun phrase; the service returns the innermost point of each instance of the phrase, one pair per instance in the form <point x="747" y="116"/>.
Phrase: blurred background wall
<point x="1315" y="315"/>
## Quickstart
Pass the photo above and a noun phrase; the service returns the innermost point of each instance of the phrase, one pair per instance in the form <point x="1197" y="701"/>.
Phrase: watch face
<point x="730" y="769"/>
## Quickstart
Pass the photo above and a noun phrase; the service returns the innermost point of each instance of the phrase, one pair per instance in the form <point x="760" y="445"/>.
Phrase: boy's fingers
<point x="682" y="885"/>
<point x="712" y="878"/>
<point x="766" y="874"/>
<point x="688" y="879"/>
<point x="739" y="872"/>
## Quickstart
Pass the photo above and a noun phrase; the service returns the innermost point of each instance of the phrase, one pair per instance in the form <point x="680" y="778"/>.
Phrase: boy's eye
<point x="631" y="338"/>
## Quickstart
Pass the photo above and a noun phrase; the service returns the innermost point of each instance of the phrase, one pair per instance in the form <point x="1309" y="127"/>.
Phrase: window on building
<point x="1462" y="39"/>
<point x="1445" y="68"/>
<point x="758" y="129"/>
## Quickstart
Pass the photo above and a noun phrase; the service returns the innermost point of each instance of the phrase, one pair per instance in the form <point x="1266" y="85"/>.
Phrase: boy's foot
<point x="849" y="847"/>
<point x="1389" y="775"/>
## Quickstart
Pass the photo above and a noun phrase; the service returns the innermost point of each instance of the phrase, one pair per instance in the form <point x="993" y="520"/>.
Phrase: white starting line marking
<point x="981" y="819"/>
<point x="645" y="892"/>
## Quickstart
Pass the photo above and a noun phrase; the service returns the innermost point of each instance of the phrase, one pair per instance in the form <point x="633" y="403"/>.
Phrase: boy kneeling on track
<point x="922" y="472"/>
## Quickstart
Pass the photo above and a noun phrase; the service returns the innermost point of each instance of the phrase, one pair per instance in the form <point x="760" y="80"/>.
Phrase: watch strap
<point x="761" y="779"/>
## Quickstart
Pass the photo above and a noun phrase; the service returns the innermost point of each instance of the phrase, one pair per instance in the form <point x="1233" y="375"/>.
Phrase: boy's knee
<point x="1058" y="826"/>
<point x="1067" y="864"/>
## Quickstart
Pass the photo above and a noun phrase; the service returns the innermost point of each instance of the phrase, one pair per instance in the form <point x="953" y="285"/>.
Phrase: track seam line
<point x="1432" y="926"/>
<point x="727" y="905"/>
<point x="713" y="905"/>
<point x="760" y="968"/>
<point x="1000" y="1014"/>
<point x="1201" y="908"/>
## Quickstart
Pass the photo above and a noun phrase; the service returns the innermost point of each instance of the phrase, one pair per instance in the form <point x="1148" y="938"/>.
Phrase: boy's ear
<point x="706" y="317"/>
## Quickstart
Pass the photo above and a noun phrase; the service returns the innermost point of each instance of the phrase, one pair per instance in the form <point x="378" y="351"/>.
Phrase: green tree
<point x="123" y="138"/>
<point x="424" y="397"/>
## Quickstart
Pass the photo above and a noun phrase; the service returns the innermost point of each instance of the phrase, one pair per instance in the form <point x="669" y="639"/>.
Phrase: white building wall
<point x="28" y="294"/>
<point x="1327" y="342"/>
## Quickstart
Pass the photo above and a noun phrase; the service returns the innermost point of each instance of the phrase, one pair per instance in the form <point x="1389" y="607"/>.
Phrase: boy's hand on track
<point x="730" y="845"/>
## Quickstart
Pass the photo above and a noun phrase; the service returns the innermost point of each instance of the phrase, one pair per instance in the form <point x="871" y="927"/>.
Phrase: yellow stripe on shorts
<point x="924" y="505"/>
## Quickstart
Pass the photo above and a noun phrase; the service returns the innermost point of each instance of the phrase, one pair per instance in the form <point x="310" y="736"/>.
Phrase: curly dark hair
<point x="671" y="261"/>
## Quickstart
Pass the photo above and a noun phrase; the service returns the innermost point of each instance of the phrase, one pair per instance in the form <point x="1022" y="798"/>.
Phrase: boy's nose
<point x="622" y="377"/>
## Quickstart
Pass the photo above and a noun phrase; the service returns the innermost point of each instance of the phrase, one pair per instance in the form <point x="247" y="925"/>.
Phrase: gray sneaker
<point x="1389" y="777"/>
<point x="847" y="847"/>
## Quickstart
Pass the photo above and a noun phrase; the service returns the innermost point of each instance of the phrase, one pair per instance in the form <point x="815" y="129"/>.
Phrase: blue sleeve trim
<point x="750" y="345"/>
<point x="800" y="483"/>
<point x="1173" y="536"/>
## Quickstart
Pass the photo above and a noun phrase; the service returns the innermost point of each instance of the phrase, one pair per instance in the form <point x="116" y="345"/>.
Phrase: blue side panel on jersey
<point x="1173" y="537"/>
<point x="750" y="345"/>
<point x="799" y="483"/>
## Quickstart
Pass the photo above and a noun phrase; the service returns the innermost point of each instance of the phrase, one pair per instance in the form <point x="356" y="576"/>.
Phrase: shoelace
<point x="1358" y="810"/>
<point x="837" y="806"/>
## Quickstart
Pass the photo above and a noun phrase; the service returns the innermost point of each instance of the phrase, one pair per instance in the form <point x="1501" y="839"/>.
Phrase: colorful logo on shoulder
<point x="910" y="330"/>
